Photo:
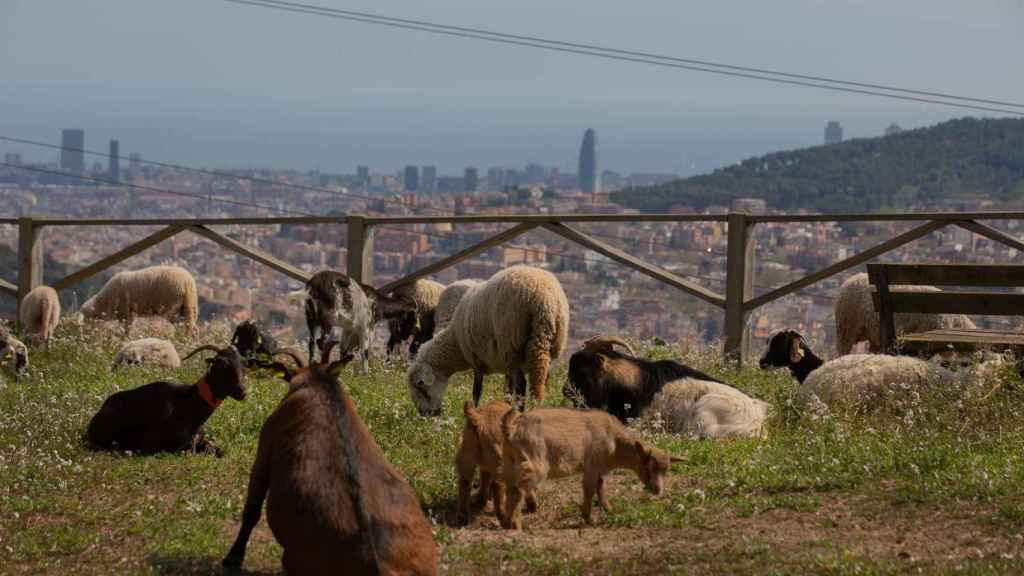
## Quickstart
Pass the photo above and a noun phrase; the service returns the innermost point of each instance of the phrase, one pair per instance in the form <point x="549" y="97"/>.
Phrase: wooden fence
<point x="737" y="301"/>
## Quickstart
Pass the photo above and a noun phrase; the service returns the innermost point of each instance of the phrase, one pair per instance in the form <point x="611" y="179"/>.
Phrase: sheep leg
<point x="478" y="386"/>
<point x="259" y="483"/>
<point x="602" y="499"/>
<point x="539" y="375"/>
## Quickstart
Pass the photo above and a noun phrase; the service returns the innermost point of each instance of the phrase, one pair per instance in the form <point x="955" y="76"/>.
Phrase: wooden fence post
<point x="30" y="258"/>
<point x="739" y="284"/>
<point x="360" y="250"/>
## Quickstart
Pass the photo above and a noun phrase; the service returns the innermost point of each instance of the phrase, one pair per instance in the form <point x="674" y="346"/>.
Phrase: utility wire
<point x="629" y="56"/>
<point x="474" y="30"/>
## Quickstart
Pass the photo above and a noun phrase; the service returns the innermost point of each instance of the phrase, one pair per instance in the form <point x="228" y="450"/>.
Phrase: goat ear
<point x="796" y="351"/>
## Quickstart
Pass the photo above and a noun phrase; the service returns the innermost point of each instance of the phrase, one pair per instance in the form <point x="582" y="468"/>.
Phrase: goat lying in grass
<point x="334" y="503"/>
<point x="168" y="416"/>
<point x="481" y="448"/>
<point x="621" y="383"/>
<point x="557" y="442"/>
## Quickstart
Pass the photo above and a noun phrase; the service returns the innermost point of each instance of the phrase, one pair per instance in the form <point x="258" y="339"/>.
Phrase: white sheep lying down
<point x="872" y="378"/>
<point x="857" y="319"/>
<point x="706" y="409"/>
<point x="155" y="351"/>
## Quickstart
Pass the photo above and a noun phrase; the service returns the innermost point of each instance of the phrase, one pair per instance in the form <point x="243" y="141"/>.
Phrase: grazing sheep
<point x="857" y="319"/>
<point x="334" y="502"/>
<point x="155" y="351"/>
<point x="518" y="320"/>
<point x="419" y="324"/>
<point x="557" y="442"/>
<point x="706" y="410"/>
<point x="11" y="345"/>
<point x="865" y="377"/>
<point x="335" y="301"/>
<point x="167" y="416"/>
<point x="253" y="343"/>
<point x="39" y="314"/>
<point x="450" y="299"/>
<point x="620" y="383"/>
<point x="481" y="446"/>
<point x="166" y="291"/>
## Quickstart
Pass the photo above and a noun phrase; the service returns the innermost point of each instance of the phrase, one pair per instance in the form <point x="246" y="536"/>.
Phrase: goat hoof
<point x="231" y="562"/>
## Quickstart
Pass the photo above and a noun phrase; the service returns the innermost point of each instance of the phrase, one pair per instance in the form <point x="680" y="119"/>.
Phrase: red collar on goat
<point x="207" y="394"/>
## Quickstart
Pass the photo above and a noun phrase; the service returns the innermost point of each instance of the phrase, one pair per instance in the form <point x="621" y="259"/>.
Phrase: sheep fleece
<point x="155" y="291"/>
<point x="148" y="350"/>
<point x="450" y="298"/>
<point x="425" y="293"/>
<point x="40" y="312"/>
<point x="707" y="409"/>
<point x="857" y="319"/>
<point x="519" y="310"/>
<point x="871" y="378"/>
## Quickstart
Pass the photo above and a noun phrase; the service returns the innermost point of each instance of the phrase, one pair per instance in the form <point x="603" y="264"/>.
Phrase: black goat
<point x="788" y="349"/>
<point x="419" y="327"/>
<point x="621" y="384"/>
<point x="168" y="416"/>
<point x="253" y="343"/>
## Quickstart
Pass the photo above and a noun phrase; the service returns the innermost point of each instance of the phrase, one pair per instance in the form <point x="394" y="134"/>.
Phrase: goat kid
<point x="334" y="502"/>
<point x="557" y="442"/>
<point x="481" y="448"/>
<point x="168" y="416"/>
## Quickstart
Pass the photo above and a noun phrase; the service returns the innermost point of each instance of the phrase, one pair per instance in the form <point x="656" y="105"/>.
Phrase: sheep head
<point x="426" y="385"/>
<point x="14" y="347"/>
<point x="224" y="371"/>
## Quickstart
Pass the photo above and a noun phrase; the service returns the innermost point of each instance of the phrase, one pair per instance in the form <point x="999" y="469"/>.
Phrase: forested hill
<point x="957" y="159"/>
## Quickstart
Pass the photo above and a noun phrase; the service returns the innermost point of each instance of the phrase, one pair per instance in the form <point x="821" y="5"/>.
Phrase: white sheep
<point x="870" y="379"/>
<point x="518" y="320"/>
<point x="39" y="314"/>
<point x="155" y="351"/>
<point x="706" y="409"/>
<point x="450" y="299"/>
<point x="857" y="319"/>
<point x="167" y="291"/>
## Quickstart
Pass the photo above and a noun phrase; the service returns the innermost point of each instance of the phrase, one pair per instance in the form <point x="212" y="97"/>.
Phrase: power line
<point x="643" y="58"/>
<point x="153" y="189"/>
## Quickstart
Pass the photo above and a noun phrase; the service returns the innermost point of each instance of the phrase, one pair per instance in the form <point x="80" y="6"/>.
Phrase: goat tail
<point x="472" y="416"/>
<point x="509" y="422"/>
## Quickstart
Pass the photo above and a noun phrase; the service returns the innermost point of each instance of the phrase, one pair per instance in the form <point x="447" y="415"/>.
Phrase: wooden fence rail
<point x="737" y="302"/>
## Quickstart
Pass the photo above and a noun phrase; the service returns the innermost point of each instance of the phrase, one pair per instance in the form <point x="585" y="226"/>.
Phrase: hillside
<point x="958" y="159"/>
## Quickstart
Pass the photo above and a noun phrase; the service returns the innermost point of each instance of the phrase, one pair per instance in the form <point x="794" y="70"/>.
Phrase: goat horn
<point x="598" y="343"/>
<point x="200" y="349"/>
<point x="293" y="354"/>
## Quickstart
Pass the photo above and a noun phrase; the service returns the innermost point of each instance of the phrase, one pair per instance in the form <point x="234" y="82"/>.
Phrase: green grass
<point x="933" y="485"/>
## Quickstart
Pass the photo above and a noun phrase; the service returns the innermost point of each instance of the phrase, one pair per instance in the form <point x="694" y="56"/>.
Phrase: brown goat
<point x="481" y="448"/>
<point x="557" y="442"/>
<point x="334" y="502"/>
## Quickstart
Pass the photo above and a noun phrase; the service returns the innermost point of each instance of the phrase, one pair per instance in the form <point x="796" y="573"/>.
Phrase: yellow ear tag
<point x="281" y="374"/>
<point x="417" y="323"/>
<point x="259" y="340"/>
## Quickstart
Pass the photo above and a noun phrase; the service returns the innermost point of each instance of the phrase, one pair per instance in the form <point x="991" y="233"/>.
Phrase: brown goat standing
<point x="334" y="503"/>
<point x="481" y="447"/>
<point x="557" y="442"/>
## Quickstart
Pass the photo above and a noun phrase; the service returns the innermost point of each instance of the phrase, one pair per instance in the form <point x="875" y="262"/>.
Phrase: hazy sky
<point x="205" y="82"/>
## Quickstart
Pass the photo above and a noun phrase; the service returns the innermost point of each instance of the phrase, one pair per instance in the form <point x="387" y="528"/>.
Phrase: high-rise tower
<point x="412" y="178"/>
<point x="589" y="176"/>
<point x="72" y="154"/>
<point x="833" y="133"/>
<point x="114" y="163"/>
